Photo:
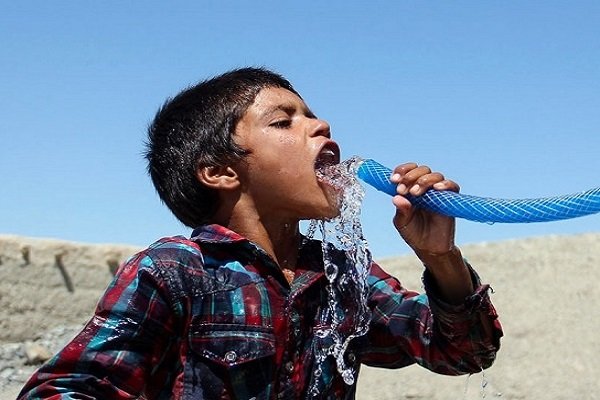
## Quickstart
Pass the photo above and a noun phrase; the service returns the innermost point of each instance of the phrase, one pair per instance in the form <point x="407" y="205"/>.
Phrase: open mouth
<point x="327" y="172"/>
<point x="328" y="156"/>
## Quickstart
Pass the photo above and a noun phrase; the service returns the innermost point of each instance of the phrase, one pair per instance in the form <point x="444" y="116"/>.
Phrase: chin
<point x="324" y="213"/>
<point x="330" y="212"/>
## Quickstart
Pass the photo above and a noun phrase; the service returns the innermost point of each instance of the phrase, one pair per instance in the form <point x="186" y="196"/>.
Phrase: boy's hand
<point x="423" y="230"/>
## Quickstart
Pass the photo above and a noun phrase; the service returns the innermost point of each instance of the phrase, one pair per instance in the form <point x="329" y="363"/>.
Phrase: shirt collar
<point x="214" y="233"/>
<point x="310" y="268"/>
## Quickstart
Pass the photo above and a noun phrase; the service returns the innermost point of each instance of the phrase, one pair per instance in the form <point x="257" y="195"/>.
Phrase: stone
<point x="36" y="353"/>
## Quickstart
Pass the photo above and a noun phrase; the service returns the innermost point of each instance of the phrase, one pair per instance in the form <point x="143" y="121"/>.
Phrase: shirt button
<point x="230" y="356"/>
<point x="351" y="357"/>
<point x="289" y="366"/>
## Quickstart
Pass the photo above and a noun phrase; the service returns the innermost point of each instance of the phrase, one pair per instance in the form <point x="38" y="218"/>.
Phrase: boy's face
<point x="286" y="142"/>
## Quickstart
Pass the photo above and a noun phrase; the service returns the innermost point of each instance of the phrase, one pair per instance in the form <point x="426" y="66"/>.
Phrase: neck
<point x="280" y="239"/>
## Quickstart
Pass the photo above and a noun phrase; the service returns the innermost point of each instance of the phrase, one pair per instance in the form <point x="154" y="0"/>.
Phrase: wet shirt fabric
<point x="213" y="317"/>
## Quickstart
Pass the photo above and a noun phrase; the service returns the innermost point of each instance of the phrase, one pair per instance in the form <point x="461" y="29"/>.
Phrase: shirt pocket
<point x="231" y="345"/>
<point x="231" y="360"/>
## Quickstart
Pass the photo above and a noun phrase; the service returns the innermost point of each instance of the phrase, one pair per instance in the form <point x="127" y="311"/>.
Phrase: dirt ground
<point x="545" y="290"/>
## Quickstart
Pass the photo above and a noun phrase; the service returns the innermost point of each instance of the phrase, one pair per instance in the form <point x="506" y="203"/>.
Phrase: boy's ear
<point x="219" y="178"/>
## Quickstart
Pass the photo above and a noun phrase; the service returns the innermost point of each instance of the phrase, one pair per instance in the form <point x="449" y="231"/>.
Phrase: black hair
<point x="195" y="129"/>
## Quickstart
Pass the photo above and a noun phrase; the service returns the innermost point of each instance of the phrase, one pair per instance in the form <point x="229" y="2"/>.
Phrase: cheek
<point x="288" y="141"/>
<point x="290" y="148"/>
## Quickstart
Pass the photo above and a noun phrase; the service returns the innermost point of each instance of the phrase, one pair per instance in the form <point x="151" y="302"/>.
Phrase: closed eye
<point x="282" y="124"/>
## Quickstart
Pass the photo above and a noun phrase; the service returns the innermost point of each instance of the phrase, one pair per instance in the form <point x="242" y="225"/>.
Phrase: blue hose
<point x="482" y="209"/>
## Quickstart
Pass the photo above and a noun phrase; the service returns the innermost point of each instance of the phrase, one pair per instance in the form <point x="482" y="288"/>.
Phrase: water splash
<point x="347" y="315"/>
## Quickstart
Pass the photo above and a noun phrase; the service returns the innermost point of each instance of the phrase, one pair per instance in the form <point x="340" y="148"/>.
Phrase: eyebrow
<point x="288" y="108"/>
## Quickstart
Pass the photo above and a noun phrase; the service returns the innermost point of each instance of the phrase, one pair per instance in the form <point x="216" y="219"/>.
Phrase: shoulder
<point x="166" y="254"/>
<point x="173" y="248"/>
<point x="174" y="264"/>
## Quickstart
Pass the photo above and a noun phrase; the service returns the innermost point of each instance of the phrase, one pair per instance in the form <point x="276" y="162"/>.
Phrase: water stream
<point x="347" y="315"/>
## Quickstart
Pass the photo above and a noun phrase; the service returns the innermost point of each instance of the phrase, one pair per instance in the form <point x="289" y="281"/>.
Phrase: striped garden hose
<point x="483" y="209"/>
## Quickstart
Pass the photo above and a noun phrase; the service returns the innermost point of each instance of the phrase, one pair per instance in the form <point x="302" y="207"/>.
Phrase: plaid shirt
<point x="213" y="317"/>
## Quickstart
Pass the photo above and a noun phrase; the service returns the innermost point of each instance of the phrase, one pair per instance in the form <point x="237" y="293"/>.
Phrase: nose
<point x="320" y="127"/>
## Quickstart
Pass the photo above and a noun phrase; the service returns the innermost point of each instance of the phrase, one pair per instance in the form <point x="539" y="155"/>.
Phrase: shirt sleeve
<point x="408" y="327"/>
<point x="120" y="350"/>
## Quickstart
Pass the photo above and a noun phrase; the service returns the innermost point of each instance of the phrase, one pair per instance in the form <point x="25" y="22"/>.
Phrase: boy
<point x="232" y="312"/>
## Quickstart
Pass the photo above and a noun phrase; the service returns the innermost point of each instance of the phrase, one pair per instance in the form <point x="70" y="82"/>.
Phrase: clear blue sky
<point x="503" y="97"/>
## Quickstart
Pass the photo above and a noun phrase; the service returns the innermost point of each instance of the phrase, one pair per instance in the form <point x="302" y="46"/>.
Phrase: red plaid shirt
<point x="213" y="317"/>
